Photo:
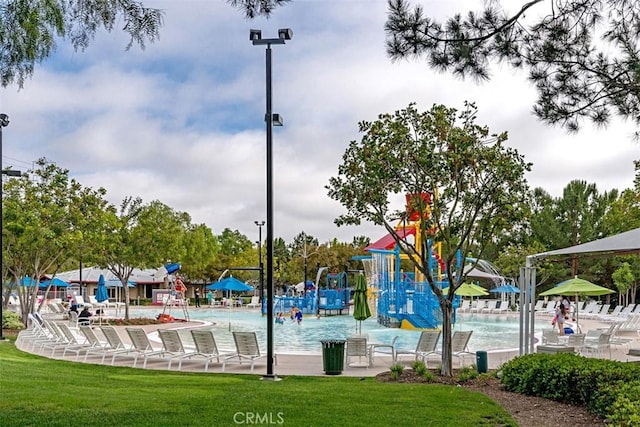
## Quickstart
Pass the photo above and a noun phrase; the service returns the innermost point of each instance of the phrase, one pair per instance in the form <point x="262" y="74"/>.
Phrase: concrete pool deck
<point x="312" y="365"/>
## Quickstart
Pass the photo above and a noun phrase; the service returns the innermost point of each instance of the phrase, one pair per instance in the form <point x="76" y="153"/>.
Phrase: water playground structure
<point x="404" y="299"/>
<point x="326" y="297"/>
<point x="399" y="299"/>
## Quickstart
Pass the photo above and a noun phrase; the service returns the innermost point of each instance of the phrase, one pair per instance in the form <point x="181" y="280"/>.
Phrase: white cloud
<point x="182" y="121"/>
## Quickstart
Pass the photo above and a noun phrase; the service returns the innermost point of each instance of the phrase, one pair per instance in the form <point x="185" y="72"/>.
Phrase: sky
<point x="182" y="121"/>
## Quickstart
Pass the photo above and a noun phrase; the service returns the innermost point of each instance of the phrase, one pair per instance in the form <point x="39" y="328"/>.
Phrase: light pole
<point x="4" y="122"/>
<point x="260" y="224"/>
<point x="255" y="36"/>
<point x="305" y="256"/>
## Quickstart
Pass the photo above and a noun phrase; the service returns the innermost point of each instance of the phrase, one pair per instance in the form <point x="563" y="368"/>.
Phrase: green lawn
<point x="35" y="391"/>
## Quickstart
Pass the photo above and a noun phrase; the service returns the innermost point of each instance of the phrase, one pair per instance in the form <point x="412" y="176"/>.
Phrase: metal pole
<point x="2" y="124"/>
<point x="255" y="36"/>
<point x="260" y="224"/>
<point x="269" y="119"/>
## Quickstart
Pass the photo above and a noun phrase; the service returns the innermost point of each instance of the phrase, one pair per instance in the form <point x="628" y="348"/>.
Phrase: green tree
<point x="581" y="55"/>
<point x="201" y="248"/>
<point x="29" y="28"/>
<point x="46" y="215"/>
<point x="477" y="185"/>
<point x="139" y="236"/>
<point x="623" y="278"/>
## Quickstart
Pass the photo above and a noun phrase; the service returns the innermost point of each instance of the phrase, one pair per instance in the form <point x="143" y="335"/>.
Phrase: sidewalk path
<point x="312" y="365"/>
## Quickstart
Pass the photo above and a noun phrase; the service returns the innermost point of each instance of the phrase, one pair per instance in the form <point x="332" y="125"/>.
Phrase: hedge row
<point x="607" y="388"/>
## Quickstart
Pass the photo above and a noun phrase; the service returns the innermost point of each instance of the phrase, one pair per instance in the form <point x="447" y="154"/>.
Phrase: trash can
<point x="333" y="356"/>
<point x="482" y="362"/>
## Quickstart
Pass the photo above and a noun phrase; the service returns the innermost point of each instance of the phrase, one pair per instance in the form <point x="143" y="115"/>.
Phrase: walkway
<point x="310" y="365"/>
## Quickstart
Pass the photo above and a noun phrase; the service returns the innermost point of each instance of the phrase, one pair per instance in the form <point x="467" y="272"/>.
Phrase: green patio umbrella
<point x="576" y="287"/>
<point x="360" y="306"/>
<point x="468" y="290"/>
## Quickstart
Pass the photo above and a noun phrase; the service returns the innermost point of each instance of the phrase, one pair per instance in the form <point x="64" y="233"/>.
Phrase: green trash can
<point x="333" y="356"/>
<point x="482" y="362"/>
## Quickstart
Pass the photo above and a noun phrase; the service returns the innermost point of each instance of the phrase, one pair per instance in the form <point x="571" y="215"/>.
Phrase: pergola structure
<point x="619" y="244"/>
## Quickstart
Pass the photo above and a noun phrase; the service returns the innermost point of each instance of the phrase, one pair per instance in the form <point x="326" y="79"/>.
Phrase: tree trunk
<point x="447" y="316"/>
<point x="126" y="298"/>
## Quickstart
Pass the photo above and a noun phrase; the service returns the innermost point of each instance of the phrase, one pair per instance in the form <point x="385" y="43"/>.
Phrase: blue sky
<point x="182" y="120"/>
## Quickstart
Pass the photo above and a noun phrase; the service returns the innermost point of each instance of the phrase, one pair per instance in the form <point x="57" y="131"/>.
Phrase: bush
<point x="467" y="373"/>
<point x="11" y="320"/>
<point x="396" y="370"/>
<point x="419" y="367"/>
<point x="609" y="389"/>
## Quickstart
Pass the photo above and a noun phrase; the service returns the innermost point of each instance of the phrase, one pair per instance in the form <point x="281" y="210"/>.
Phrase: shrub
<point x="396" y="370"/>
<point x="419" y="367"/>
<point x="467" y="373"/>
<point x="606" y="388"/>
<point x="11" y="320"/>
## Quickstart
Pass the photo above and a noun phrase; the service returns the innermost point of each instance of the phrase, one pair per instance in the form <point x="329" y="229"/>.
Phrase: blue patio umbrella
<point x="506" y="289"/>
<point x="230" y="284"/>
<point x="28" y="281"/>
<point x="54" y="282"/>
<point x="101" y="293"/>
<point x="116" y="283"/>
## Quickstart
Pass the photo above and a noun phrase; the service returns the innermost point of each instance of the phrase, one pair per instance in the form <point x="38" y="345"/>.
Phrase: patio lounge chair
<point x="358" y="347"/>
<point x="459" y="345"/>
<point x="598" y="347"/>
<point x="255" y="302"/>
<point x="384" y="348"/>
<point x="116" y="345"/>
<point x="206" y="347"/>
<point x="247" y="348"/>
<point x="95" y="345"/>
<point x="172" y="346"/>
<point x="57" y="341"/>
<point x="141" y="347"/>
<point x="491" y="305"/>
<point x="426" y="345"/>
<point x="75" y="344"/>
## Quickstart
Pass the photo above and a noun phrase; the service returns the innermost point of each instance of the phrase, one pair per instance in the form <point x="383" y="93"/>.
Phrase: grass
<point x="36" y="391"/>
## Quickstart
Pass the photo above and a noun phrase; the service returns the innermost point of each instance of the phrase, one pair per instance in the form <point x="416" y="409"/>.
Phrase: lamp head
<point x="285" y="33"/>
<point x="4" y="120"/>
<point x="255" y="35"/>
<point x="277" y="120"/>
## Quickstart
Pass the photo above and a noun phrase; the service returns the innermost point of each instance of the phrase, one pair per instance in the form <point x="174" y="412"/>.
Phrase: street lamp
<point x="4" y="122"/>
<point x="260" y="224"/>
<point x="255" y="36"/>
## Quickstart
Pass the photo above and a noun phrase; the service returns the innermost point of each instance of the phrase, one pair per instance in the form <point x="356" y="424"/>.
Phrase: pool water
<point x="490" y="332"/>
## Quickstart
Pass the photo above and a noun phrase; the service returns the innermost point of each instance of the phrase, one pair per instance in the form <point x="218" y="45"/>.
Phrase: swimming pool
<point x="490" y="332"/>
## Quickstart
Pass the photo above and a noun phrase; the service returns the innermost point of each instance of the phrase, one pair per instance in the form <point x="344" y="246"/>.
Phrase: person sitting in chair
<point x="83" y="317"/>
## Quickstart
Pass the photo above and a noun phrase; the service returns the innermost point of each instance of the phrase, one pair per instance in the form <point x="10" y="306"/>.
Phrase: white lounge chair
<point x="459" y="345"/>
<point x="116" y="345"/>
<point x="206" y="347"/>
<point x="255" y="302"/>
<point x="172" y="347"/>
<point x="80" y="302"/>
<point x="358" y="347"/>
<point x="247" y="348"/>
<point x="491" y="305"/>
<point x="425" y="346"/>
<point x="550" y="336"/>
<point x="598" y="347"/>
<point x="613" y="316"/>
<point x="141" y="347"/>
<point x="383" y="348"/>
